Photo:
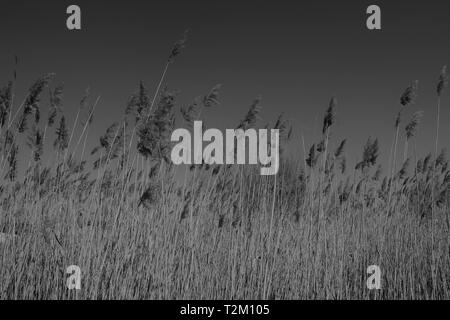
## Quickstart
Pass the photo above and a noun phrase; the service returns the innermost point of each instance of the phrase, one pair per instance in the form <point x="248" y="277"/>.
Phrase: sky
<point x="295" y="54"/>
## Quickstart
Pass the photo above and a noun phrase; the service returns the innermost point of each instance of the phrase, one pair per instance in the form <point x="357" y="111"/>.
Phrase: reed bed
<point x="140" y="228"/>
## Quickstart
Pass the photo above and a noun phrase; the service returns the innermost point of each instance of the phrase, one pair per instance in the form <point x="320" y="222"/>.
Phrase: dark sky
<point x="295" y="54"/>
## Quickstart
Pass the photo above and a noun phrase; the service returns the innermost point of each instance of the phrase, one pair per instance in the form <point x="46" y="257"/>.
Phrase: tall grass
<point x="139" y="231"/>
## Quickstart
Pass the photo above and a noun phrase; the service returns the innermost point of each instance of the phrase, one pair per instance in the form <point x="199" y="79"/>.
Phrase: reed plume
<point x="251" y="117"/>
<point x="61" y="142"/>
<point x="56" y="97"/>
<point x="31" y="104"/>
<point x="411" y="130"/>
<point x="328" y="120"/>
<point x="5" y="103"/>
<point x="370" y="155"/>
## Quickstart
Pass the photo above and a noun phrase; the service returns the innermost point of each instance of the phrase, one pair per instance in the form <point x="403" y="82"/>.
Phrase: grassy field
<point x="140" y="228"/>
